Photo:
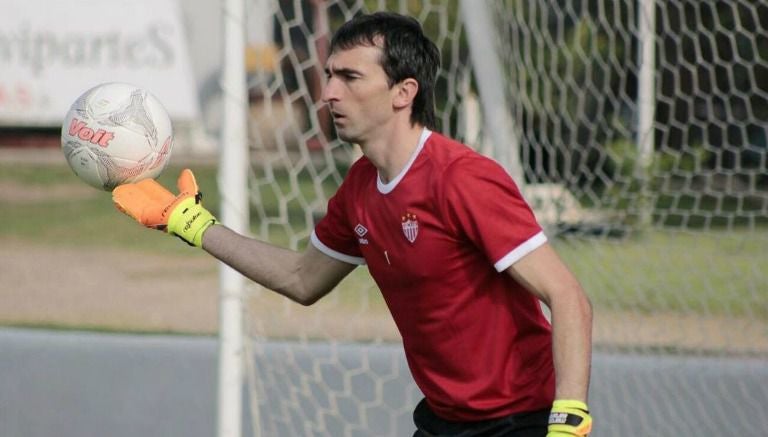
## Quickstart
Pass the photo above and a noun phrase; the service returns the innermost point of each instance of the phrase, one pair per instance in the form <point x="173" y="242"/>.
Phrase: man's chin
<point x="346" y="136"/>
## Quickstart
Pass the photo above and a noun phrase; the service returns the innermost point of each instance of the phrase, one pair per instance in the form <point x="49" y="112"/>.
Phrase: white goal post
<point x="638" y="130"/>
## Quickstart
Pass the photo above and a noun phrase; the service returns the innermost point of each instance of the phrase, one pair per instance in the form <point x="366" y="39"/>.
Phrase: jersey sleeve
<point x="482" y="203"/>
<point x="333" y="235"/>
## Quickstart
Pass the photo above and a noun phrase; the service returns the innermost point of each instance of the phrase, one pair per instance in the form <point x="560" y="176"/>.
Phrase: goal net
<point x="638" y="131"/>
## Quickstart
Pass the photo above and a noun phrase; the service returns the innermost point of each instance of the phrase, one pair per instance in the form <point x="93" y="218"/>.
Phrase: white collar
<point x="389" y="186"/>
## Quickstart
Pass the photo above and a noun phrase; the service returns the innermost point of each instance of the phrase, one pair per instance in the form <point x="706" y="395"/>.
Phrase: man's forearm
<point x="271" y="266"/>
<point x="302" y="277"/>
<point x="572" y="345"/>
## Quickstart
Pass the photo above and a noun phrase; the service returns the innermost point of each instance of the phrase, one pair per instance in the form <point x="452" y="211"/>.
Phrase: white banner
<point x="52" y="51"/>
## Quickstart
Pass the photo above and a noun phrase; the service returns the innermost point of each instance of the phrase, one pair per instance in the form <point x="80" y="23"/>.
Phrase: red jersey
<point x="437" y="240"/>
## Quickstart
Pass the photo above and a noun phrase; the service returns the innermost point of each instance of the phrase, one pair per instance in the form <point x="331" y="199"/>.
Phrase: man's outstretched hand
<point x="152" y="205"/>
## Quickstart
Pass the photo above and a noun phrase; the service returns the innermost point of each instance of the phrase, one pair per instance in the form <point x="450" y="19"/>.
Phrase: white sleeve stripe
<point x="334" y="254"/>
<point x="520" y="251"/>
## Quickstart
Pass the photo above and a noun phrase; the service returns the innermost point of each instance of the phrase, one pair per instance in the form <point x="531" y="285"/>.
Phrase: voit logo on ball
<point x="79" y="129"/>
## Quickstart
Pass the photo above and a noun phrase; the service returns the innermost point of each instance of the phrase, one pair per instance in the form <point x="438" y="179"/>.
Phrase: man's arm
<point x="545" y="275"/>
<point x="303" y="277"/>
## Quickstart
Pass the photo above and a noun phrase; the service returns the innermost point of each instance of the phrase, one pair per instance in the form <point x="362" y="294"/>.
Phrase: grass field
<point x="48" y="204"/>
<point x="720" y="272"/>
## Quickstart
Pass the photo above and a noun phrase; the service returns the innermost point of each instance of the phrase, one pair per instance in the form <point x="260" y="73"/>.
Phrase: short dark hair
<point x="407" y="53"/>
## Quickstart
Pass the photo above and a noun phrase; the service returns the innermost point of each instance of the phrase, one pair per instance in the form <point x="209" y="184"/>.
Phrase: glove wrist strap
<point x="569" y="403"/>
<point x="189" y="220"/>
<point x="569" y="418"/>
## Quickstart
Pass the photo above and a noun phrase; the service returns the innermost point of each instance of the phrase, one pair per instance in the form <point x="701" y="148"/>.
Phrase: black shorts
<point x="428" y="424"/>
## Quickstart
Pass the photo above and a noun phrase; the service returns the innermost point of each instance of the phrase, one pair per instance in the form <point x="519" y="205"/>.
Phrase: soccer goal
<point x="637" y="129"/>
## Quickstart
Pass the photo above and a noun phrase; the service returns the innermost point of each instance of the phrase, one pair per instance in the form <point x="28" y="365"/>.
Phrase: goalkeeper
<point x="452" y="245"/>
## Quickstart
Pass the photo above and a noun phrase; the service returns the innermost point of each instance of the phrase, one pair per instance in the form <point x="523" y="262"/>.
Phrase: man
<point x="455" y="250"/>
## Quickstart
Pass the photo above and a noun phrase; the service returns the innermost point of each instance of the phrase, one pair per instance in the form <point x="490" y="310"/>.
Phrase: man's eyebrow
<point x="342" y="71"/>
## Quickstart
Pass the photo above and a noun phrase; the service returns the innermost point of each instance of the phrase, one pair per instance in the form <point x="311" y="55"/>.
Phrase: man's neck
<point x="391" y="153"/>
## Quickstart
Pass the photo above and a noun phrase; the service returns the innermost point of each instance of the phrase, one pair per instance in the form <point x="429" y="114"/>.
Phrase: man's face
<point x="358" y="93"/>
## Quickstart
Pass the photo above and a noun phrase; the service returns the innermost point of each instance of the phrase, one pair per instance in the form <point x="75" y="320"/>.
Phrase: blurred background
<point x="637" y="130"/>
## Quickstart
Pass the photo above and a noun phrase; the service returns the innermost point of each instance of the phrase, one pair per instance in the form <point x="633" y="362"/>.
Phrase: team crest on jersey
<point x="410" y="226"/>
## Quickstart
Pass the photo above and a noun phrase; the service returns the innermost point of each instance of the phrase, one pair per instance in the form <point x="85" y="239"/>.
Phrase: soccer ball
<point x="116" y="133"/>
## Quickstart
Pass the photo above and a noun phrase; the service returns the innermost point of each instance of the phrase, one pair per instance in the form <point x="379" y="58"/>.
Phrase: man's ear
<point x="405" y="93"/>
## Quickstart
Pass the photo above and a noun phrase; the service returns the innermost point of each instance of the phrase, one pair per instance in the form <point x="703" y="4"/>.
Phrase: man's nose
<point x="329" y="91"/>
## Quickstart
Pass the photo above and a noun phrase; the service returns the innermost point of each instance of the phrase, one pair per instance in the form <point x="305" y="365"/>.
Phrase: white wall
<point x="51" y="52"/>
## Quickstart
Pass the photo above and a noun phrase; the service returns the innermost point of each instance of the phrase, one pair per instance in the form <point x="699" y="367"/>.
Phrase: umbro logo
<point x="360" y="230"/>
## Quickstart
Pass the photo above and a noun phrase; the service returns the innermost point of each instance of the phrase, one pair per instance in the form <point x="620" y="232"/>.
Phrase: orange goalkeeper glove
<point x="569" y="418"/>
<point x="153" y="206"/>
